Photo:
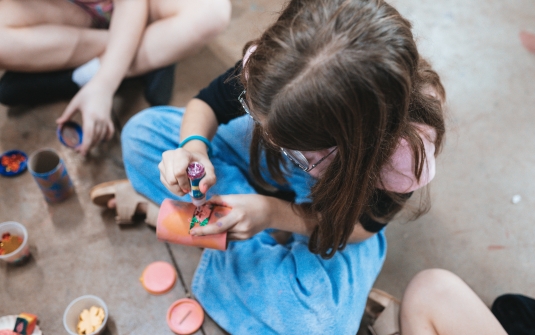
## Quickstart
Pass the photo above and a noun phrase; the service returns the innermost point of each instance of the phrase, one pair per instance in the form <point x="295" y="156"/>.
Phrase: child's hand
<point x="173" y="168"/>
<point x="250" y="214"/>
<point x="95" y="104"/>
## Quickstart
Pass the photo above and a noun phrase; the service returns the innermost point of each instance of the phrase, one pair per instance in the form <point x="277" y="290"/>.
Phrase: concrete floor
<point x="473" y="228"/>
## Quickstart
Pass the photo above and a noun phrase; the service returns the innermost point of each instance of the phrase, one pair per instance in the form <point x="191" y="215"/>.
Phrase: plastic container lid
<point x="185" y="316"/>
<point x="70" y="134"/>
<point x="19" y="162"/>
<point x="158" y="277"/>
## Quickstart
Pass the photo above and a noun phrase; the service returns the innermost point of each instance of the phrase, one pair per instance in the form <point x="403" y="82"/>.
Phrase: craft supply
<point x="201" y="216"/>
<point x="158" y="277"/>
<point x="185" y="316"/>
<point x="13" y="163"/>
<point x="14" y="246"/>
<point x="195" y="174"/>
<point x="89" y="309"/>
<point x="176" y="218"/>
<point x="9" y="243"/>
<point x="25" y="324"/>
<point x="50" y="173"/>
<point x="7" y="323"/>
<point x="90" y="320"/>
<point x="70" y="134"/>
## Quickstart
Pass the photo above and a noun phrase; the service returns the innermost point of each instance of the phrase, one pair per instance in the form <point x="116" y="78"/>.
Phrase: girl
<point x="341" y="112"/>
<point x="143" y="35"/>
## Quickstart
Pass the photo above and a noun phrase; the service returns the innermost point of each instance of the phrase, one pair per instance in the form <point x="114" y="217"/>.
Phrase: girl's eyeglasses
<point x="294" y="156"/>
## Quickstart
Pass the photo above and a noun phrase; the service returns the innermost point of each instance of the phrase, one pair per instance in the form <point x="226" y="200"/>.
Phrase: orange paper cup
<point x="174" y="224"/>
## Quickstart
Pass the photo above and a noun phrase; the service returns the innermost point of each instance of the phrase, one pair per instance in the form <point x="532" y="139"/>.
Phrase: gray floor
<point x="472" y="229"/>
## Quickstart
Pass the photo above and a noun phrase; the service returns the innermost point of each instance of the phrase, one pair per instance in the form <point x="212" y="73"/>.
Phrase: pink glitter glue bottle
<point x="195" y="174"/>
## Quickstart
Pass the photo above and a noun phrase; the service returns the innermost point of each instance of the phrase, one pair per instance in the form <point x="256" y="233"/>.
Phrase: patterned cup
<point x="50" y="173"/>
<point x="176" y="218"/>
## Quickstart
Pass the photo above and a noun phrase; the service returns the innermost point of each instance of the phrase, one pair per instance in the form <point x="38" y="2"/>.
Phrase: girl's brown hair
<point x="342" y="73"/>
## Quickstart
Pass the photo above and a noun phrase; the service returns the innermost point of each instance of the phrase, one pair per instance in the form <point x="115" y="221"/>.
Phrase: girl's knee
<point x="151" y="130"/>
<point x="138" y="130"/>
<point x="220" y="16"/>
<point x="212" y="17"/>
<point x="432" y="284"/>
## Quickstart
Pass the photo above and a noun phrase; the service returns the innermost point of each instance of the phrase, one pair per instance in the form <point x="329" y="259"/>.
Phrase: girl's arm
<point x="127" y="25"/>
<point x="94" y="100"/>
<point x="252" y="213"/>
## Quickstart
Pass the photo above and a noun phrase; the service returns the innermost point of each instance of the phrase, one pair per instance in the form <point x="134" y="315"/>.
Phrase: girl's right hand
<point x="173" y="168"/>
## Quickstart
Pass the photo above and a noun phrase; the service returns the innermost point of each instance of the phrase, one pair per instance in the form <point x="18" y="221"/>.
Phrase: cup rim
<point x="24" y="241"/>
<point x="102" y="304"/>
<point x="44" y="174"/>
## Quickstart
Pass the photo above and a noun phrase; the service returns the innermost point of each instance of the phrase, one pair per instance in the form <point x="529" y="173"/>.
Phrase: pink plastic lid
<point x="185" y="316"/>
<point x="158" y="277"/>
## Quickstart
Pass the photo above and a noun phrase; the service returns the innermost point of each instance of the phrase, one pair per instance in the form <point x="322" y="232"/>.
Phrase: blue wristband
<point x="200" y="138"/>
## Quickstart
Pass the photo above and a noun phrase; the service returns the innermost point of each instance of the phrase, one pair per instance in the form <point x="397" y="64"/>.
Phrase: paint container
<point x="70" y="134"/>
<point x="175" y="219"/>
<point x="195" y="174"/>
<point x="185" y="316"/>
<point x="71" y="317"/>
<point x="13" y="163"/>
<point x="50" y="173"/>
<point x="22" y="253"/>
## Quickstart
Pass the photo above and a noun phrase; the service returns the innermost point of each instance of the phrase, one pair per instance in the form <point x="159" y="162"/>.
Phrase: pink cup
<point x="174" y="222"/>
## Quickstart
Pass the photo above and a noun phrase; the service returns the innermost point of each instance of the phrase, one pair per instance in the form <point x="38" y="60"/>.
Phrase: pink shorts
<point x="100" y="11"/>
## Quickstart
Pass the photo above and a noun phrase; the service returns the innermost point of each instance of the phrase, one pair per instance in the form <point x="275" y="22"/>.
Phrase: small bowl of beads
<point x="14" y="247"/>
<point x="13" y="163"/>
<point x="86" y="315"/>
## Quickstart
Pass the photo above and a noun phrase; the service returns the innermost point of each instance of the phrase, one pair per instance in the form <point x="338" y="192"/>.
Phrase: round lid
<point x="185" y="316"/>
<point x="158" y="277"/>
<point x="70" y="134"/>
<point x="13" y="163"/>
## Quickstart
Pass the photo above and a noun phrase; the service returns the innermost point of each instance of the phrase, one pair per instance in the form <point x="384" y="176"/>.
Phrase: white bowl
<point x="75" y="308"/>
<point x="23" y="251"/>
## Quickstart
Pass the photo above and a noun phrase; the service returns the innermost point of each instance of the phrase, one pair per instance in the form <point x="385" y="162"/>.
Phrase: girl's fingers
<point x="221" y="226"/>
<point x="237" y="237"/>
<point x="209" y="178"/>
<point x="110" y="131"/>
<point x="221" y="200"/>
<point x="68" y="113"/>
<point x="173" y="188"/>
<point x="173" y="170"/>
<point x="89" y="129"/>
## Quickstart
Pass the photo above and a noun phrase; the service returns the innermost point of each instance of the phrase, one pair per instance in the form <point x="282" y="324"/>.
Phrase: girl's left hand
<point x="250" y="214"/>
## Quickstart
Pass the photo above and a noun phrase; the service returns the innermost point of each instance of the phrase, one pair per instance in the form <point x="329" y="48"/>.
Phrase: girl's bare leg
<point x="46" y="35"/>
<point x="439" y="302"/>
<point x="59" y="32"/>
<point x="178" y="29"/>
<point x="528" y="40"/>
